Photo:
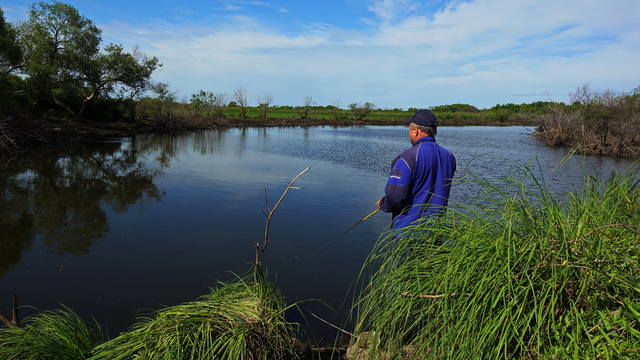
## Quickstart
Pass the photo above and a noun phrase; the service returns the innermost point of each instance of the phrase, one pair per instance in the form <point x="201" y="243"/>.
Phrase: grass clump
<point x="49" y="335"/>
<point x="528" y="278"/>
<point x="237" y="320"/>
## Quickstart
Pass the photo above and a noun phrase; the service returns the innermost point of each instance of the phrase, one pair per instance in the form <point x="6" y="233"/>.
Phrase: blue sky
<point x="393" y="53"/>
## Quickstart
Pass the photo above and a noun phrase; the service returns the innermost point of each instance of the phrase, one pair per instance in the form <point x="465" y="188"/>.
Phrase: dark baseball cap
<point x="423" y="117"/>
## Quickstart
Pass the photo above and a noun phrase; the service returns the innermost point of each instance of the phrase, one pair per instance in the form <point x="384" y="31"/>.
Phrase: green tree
<point x="10" y="51"/>
<point x="360" y="111"/>
<point x="59" y="45"/>
<point x="164" y="92"/>
<point x="118" y="73"/>
<point x="64" y="64"/>
<point x="455" y="108"/>
<point x="208" y="103"/>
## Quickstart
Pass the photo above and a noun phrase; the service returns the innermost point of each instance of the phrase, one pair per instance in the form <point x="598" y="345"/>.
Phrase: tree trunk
<point x="85" y="102"/>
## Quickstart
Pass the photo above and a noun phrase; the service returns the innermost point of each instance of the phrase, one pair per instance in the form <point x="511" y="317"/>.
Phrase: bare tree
<point x="218" y="105"/>
<point x="240" y="97"/>
<point x="336" y="110"/>
<point x="306" y="107"/>
<point x="265" y="102"/>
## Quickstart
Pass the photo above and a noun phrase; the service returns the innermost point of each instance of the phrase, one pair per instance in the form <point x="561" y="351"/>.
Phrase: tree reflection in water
<point x="62" y="198"/>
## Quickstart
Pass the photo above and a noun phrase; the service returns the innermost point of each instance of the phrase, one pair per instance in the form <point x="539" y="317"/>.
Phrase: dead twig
<point x="439" y="296"/>
<point x="15" y="320"/>
<point x="261" y="249"/>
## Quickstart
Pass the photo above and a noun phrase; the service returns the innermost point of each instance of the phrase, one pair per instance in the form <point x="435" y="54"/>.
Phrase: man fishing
<point x="420" y="179"/>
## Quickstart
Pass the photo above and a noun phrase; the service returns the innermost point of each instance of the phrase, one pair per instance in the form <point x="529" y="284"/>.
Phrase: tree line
<point x="54" y="65"/>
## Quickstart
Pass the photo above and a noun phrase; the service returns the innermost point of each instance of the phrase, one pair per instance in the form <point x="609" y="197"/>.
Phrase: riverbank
<point x="18" y="134"/>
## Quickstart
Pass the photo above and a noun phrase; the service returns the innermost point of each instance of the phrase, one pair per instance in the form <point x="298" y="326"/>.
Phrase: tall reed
<point x="237" y="320"/>
<point x="50" y="335"/>
<point x="526" y="277"/>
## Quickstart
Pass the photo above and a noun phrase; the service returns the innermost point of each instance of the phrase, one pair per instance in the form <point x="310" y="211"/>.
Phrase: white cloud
<point x="232" y="7"/>
<point x="388" y="10"/>
<point x="269" y="5"/>
<point x="482" y="52"/>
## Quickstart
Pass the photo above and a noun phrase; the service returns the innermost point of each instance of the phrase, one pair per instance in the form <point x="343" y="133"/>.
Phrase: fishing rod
<point x="349" y="229"/>
<point x="359" y="222"/>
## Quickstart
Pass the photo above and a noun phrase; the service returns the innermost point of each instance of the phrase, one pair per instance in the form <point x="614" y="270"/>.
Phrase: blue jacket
<point x="419" y="182"/>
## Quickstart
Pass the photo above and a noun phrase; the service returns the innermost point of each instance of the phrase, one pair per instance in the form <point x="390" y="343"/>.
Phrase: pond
<point x="117" y="228"/>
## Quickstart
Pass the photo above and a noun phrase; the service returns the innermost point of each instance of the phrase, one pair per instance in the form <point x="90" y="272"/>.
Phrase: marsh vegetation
<point x="596" y="122"/>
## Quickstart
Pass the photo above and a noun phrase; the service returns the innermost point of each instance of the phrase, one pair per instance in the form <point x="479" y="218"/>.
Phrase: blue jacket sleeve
<point x="397" y="190"/>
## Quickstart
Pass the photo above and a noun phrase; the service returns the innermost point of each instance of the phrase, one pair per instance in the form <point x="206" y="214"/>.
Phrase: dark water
<point x="115" y="227"/>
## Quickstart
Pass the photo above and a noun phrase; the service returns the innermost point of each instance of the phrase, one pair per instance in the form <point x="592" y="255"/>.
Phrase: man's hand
<point x="379" y="201"/>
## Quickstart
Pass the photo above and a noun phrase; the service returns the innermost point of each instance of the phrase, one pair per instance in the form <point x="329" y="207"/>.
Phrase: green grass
<point x="49" y="335"/>
<point x="154" y="109"/>
<point x="238" y="320"/>
<point x="526" y="277"/>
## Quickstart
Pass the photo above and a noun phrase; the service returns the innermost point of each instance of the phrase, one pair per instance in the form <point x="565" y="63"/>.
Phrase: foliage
<point x="59" y="44"/>
<point x="239" y="320"/>
<point x="361" y="111"/>
<point x="118" y="73"/>
<point x="49" y="335"/>
<point x="63" y="66"/>
<point x="525" y="277"/>
<point x="10" y="51"/>
<point x="165" y="94"/>
<point x="206" y="103"/>
<point x="455" y="108"/>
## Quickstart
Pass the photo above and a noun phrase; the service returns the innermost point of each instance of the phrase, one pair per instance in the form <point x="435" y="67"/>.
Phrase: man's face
<point x="413" y="133"/>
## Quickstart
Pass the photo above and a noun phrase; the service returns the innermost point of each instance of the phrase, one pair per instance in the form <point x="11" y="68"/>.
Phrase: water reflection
<point x="91" y="201"/>
<point x="63" y="198"/>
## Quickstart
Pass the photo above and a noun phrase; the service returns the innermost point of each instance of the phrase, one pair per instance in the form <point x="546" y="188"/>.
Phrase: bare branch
<point x="240" y="97"/>
<point x="260" y="249"/>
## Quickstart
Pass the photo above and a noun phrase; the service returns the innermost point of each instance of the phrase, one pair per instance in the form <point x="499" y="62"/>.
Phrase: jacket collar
<point x="424" y="139"/>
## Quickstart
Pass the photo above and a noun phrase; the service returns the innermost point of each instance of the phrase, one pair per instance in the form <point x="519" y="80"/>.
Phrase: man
<point x="420" y="179"/>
